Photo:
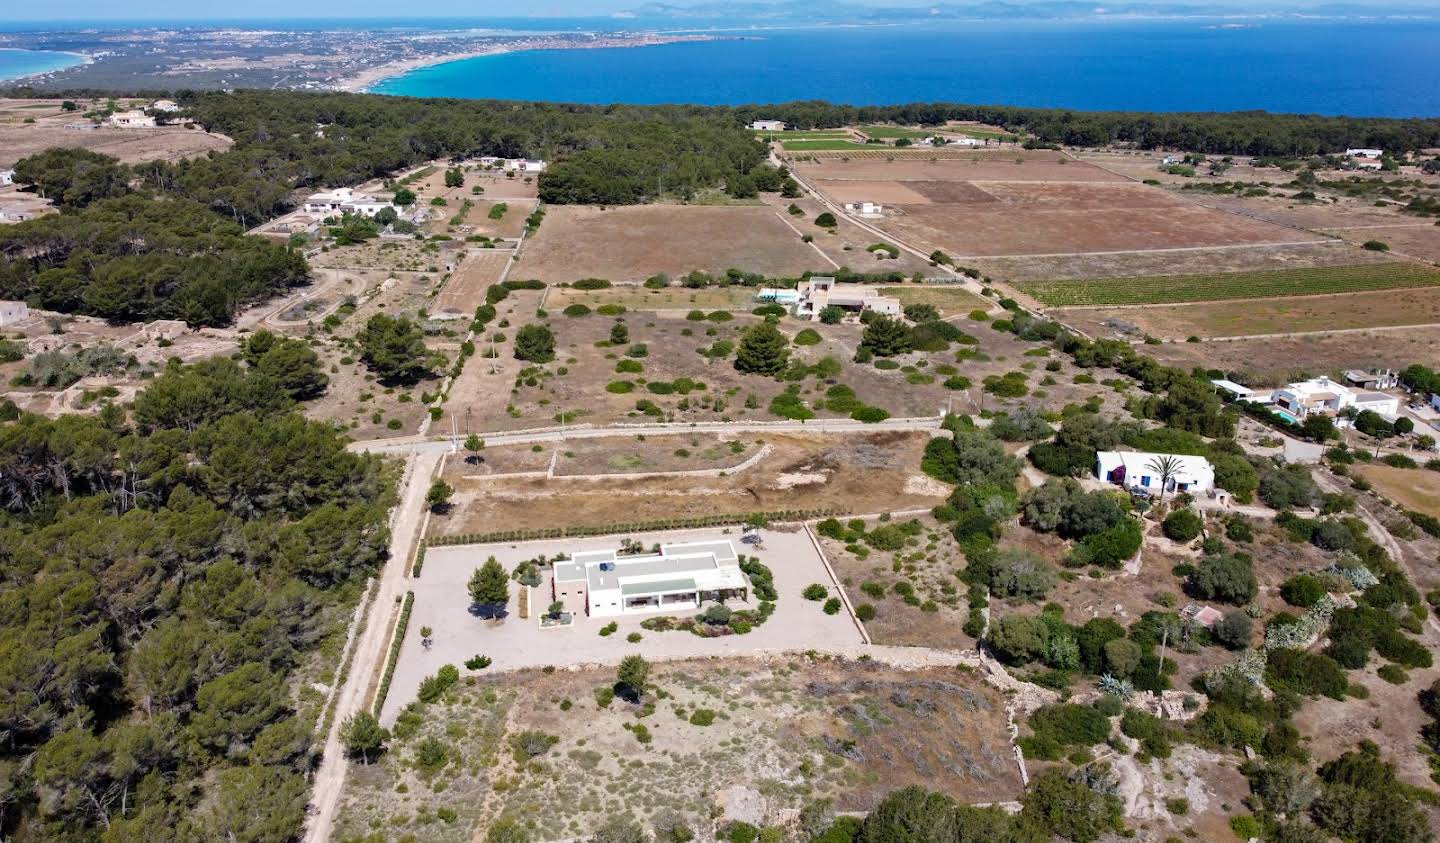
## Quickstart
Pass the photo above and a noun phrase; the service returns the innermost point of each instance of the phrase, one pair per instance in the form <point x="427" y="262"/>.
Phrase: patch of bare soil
<point x="864" y="472"/>
<point x="766" y="735"/>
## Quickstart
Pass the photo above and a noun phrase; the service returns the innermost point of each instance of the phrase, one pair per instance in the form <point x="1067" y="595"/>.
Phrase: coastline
<point x="84" y="59"/>
<point x="364" y="80"/>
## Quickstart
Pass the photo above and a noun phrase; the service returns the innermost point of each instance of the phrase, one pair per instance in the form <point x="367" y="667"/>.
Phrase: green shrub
<point x="1182" y="525"/>
<point x="807" y="336"/>
<point x="815" y="591"/>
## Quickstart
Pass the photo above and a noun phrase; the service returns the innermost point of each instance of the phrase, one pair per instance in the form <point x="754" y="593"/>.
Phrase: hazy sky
<point x="105" y="10"/>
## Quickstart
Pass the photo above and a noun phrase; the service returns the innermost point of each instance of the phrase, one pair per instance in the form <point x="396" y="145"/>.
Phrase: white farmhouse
<point x="343" y="200"/>
<point x="167" y="106"/>
<point x="768" y="126"/>
<point x="871" y="210"/>
<point x="604" y="583"/>
<point x="524" y="165"/>
<point x="965" y="142"/>
<point x="1365" y="159"/>
<point x="132" y="120"/>
<point x="1139" y="471"/>
<point x="821" y="292"/>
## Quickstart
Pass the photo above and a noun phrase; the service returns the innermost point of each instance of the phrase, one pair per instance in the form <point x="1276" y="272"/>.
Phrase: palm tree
<point x="1167" y="466"/>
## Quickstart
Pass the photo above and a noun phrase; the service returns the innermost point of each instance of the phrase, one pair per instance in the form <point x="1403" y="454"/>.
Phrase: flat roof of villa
<point x="694" y="558"/>
<point x="638" y="589"/>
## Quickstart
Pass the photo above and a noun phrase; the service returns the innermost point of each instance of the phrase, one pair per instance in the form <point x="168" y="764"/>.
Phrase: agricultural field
<point x="1278" y="360"/>
<point x="895" y="132"/>
<point x="1188" y="262"/>
<point x="821" y="144"/>
<point x="953" y="164"/>
<point x="636" y="297"/>
<point x="635" y="242"/>
<point x="769" y="735"/>
<point x="1234" y="285"/>
<point x="1250" y="317"/>
<point x="465" y="289"/>
<point x="806" y="134"/>
<point x="845" y="244"/>
<point x="132" y="146"/>
<point x="980" y="130"/>
<point x="1417" y="240"/>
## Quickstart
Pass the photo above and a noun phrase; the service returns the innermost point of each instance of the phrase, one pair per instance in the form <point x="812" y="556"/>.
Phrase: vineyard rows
<point x="1165" y="289"/>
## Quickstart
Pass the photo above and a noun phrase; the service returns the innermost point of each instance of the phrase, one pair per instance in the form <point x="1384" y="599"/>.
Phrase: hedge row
<point x="394" y="658"/>
<point x="632" y="527"/>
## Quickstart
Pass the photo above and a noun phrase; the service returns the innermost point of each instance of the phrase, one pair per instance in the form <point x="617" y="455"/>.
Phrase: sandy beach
<point x="366" y="79"/>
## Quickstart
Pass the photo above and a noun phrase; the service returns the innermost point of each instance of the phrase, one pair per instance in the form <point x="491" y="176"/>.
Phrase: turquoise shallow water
<point x="1371" y="69"/>
<point x="17" y="63"/>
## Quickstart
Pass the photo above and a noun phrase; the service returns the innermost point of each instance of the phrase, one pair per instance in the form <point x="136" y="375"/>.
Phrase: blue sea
<point x="1389" y="69"/>
<point x="17" y="63"/>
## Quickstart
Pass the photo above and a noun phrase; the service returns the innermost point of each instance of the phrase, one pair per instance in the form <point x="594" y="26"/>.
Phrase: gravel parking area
<point x="443" y="603"/>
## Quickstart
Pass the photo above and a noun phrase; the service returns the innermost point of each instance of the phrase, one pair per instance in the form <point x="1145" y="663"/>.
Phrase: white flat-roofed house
<point x="343" y="200"/>
<point x="965" y="142"/>
<point x="1139" y="471"/>
<point x="524" y="165"/>
<point x="1240" y="392"/>
<point x="822" y="291"/>
<point x="1365" y="159"/>
<point x="768" y="126"/>
<point x="873" y="210"/>
<point x="167" y="106"/>
<point x="132" y="120"/>
<point x="605" y="583"/>
<point x="1326" y="397"/>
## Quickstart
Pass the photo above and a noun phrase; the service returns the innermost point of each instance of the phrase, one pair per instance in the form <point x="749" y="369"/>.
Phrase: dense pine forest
<point x="164" y="574"/>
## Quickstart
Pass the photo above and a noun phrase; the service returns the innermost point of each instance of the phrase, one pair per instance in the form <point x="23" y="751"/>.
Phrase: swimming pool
<point x="1285" y="415"/>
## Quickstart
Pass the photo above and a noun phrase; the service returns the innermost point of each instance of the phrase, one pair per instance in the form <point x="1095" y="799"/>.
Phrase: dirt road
<point x="405" y="527"/>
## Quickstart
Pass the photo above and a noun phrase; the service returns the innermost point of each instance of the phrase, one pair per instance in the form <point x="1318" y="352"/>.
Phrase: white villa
<point x="512" y="165"/>
<point x="343" y="200"/>
<point x="1138" y="471"/>
<point x="1326" y="397"/>
<point x="865" y="209"/>
<point x="604" y="583"/>
<point x="965" y="142"/>
<point x="132" y="120"/>
<point x="1365" y="159"/>
<point x="768" y="126"/>
<point x="821" y="291"/>
<point x="167" y="106"/>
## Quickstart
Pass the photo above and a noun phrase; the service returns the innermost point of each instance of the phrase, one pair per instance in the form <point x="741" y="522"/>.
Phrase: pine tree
<point x="763" y="350"/>
<point x="490" y="585"/>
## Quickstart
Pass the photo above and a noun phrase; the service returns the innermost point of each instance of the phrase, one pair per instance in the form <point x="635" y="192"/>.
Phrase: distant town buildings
<point x="821" y="292"/>
<point x="343" y="200"/>
<point x="768" y="126"/>
<point x="1142" y="472"/>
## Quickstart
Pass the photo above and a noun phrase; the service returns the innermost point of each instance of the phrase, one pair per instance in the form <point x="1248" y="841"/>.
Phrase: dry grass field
<point x="1416" y="239"/>
<point x="1246" y="317"/>
<point x="860" y="472"/>
<point x="632" y="243"/>
<point x="951" y="301"/>
<point x="1282" y="359"/>
<point x="20" y="140"/>
<point x="465" y="290"/>
<point x="789" y="730"/>
<point x="1109" y="221"/>
<point x="635" y="297"/>
<point x="1412" y="488"/>
<point x="1190" y="262"/>
<point x="953" y="165"/>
